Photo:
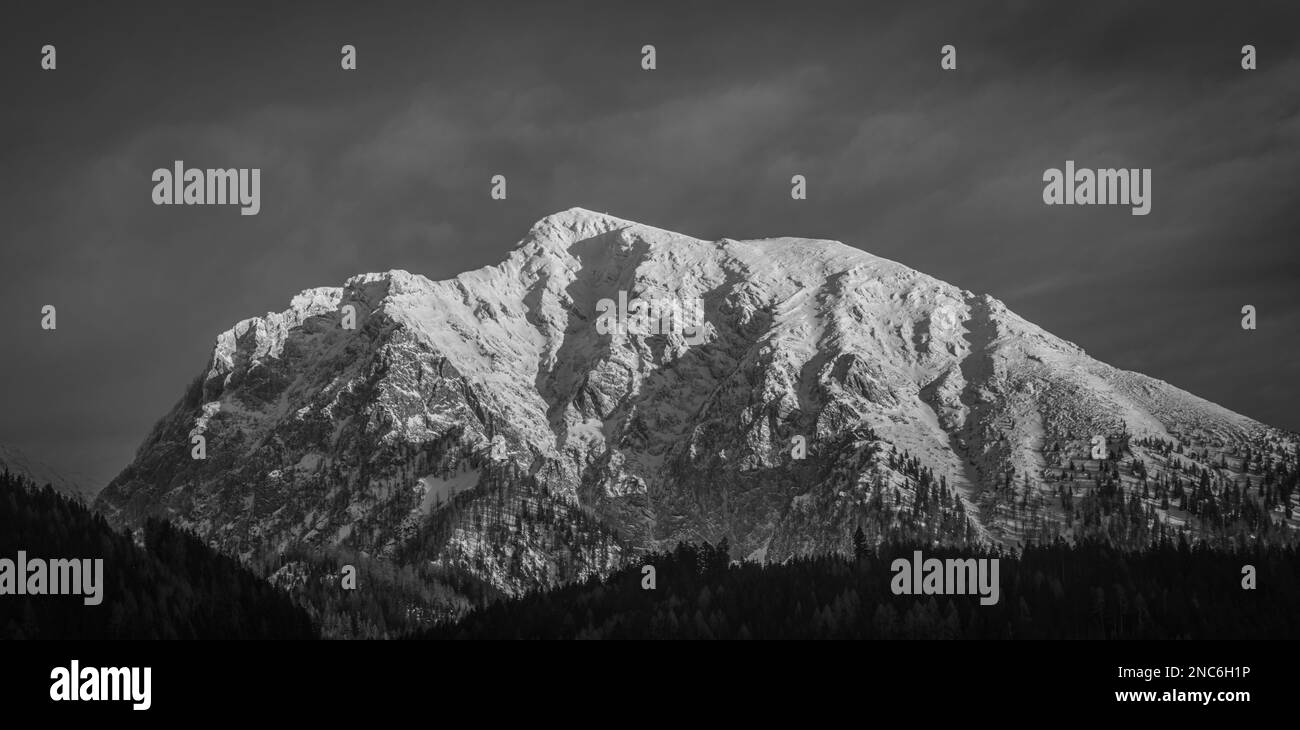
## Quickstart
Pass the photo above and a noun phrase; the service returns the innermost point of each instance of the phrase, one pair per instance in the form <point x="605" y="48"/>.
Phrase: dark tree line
<point x="388" y="600"/>
<point x="169" y="586"/>
<point x="1088" y="590"/>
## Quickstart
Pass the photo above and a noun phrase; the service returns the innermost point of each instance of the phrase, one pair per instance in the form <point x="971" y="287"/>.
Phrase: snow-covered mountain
<point x="924" y="408"/>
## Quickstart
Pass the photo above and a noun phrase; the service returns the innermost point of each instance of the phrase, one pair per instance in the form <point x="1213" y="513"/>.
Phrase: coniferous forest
<point x="163" y="583"/>
<point x="1089" y="590"/>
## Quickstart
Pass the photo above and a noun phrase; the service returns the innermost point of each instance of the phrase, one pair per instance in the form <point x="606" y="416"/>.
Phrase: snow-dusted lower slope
<point x="916" y="401"/>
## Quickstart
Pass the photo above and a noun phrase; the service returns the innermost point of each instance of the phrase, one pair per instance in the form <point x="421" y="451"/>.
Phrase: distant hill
<point x="64" y="482"/>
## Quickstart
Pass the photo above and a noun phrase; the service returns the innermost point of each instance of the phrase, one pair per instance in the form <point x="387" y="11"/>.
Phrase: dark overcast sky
<point x="388" y="167"/>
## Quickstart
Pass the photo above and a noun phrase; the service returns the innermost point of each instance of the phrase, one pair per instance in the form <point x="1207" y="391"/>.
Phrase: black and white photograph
<point x="415" y="325"/>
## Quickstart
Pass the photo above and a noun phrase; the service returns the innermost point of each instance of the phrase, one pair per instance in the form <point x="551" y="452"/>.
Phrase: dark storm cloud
<point x="388" y="167"/>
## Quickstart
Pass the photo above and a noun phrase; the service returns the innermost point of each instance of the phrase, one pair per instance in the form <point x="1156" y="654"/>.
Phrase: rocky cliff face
<point x="918" y="403"/>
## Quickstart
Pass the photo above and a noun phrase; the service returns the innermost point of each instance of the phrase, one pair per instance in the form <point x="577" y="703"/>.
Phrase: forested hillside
<point x="1168" y="590"/>
<point x="167" y="586"/>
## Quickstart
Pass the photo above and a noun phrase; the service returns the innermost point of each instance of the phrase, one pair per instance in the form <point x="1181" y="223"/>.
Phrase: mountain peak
<point x="321" y="433"/>
<point x="562" y="229"/>
<point x="578" y="219"/>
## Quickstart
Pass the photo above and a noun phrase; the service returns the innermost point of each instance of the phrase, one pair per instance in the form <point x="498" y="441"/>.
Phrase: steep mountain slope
<point x="925" y="409"/>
